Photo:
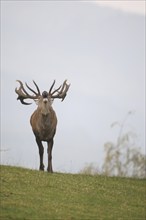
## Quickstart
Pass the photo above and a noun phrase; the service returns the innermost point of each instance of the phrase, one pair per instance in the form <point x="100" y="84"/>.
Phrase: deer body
<point x="43" y="121"/>
<point x="44" y="125"/>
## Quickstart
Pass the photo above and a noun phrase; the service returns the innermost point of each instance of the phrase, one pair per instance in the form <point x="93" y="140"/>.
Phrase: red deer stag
<point x="43" y="120"/>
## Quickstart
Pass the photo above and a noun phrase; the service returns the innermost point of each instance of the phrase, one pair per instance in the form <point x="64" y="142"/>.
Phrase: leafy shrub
<point x="124" y="158"/>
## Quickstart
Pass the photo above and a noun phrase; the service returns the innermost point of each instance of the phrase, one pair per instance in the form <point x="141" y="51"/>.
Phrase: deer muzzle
<point x="45" y="100"/>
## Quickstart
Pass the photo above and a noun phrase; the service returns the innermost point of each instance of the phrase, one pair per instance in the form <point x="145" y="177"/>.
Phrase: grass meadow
<point x="29" y="194"/>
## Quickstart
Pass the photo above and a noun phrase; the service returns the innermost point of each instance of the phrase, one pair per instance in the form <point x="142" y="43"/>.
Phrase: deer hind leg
<point x="41" y="153"/>
<point x="50" y="146"/>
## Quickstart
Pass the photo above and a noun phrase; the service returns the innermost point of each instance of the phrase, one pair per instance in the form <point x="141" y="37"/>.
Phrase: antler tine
<point x="23" y="94"/>
<point x="56" y="90"/>
<point x="52" y="86"/>
<point x="64" y="84"/>
<point x="37" y="87"/>
<point x="38" y="94"/>
<point x="21" y="91"/>
<point x="63" y="91"/>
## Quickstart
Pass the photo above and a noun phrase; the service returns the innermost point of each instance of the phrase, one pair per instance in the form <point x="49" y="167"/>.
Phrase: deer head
<point x="45" y="97"/>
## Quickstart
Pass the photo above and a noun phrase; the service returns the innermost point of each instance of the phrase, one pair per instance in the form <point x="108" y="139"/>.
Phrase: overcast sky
<point x="137" y="7"/>
<point x="100" y="49"/>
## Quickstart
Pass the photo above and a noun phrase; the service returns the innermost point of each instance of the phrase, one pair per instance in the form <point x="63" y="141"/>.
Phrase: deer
<point x="43" y="120"/>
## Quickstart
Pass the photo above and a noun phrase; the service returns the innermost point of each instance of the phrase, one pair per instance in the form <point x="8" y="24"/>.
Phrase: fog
<point x="100" y="50"/>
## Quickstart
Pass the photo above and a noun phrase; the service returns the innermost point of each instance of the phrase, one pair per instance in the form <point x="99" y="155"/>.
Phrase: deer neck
<point x="45" y="110"/>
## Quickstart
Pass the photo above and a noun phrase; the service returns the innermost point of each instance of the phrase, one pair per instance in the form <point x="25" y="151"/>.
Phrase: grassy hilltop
<point x="28" y="194"/>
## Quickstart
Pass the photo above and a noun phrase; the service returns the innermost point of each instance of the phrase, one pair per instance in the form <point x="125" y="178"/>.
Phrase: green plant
<point x="124" y="158"/>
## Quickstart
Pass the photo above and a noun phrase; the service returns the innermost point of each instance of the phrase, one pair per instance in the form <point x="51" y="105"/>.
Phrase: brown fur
<point x="43" y="120"/>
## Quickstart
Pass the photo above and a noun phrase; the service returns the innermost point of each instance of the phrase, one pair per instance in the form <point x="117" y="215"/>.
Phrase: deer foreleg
<point x="41" y="153"/>
<point x="50" y="146"/>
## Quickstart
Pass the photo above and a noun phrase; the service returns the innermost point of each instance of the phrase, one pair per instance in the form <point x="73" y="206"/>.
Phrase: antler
<point x="61" y="91"/>
<point x="23" y="94"/>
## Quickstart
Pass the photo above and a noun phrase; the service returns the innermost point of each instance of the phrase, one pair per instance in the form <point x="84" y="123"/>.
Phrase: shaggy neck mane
<point x="45" y="109"/>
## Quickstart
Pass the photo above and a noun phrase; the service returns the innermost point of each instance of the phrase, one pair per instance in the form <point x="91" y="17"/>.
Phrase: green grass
<point x="28" y="194"/>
